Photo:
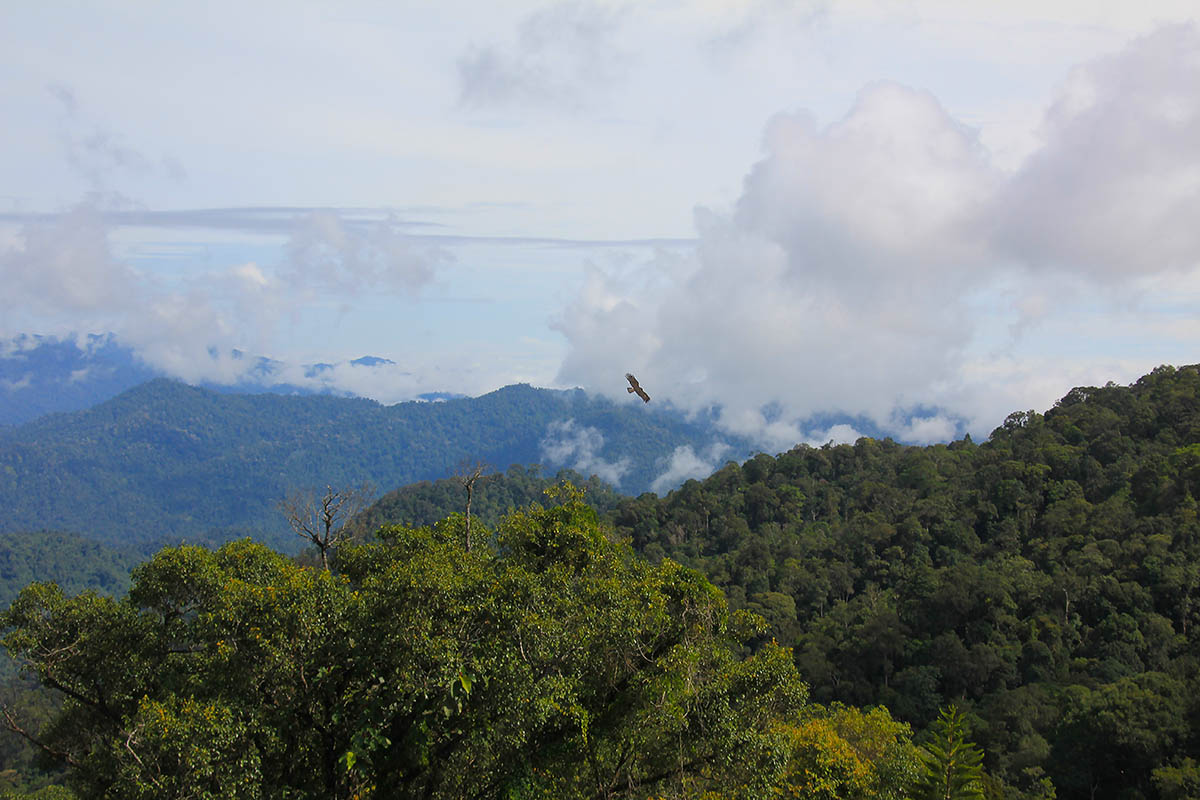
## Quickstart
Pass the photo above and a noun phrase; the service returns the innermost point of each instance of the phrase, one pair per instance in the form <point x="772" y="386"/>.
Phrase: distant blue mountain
<point x="42" y="375"/>
<point x="371" y="361"/>
<point x="165" y="459"/>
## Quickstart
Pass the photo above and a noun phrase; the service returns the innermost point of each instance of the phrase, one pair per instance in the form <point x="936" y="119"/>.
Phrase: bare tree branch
<point x="324" y="519"/>
<point x="467" y="474"/>
<point x="11" y="723"/>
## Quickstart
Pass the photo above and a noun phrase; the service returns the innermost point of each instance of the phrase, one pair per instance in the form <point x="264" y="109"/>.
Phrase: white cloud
<point x="63" y="278"/>
<point x="24" y="382"/>
<point x="835" y="434"/>
<point x="831" y="287"/>
<point x="325" y="254"/>
<point x="884" y="262"/>
<point x="1114" y="190"/>
<point x="251" y="273"/>
<point x="562" y="53"/>
<point x="579" y="447"/>
<point x="684" y="464"/>
<point x="63" y="266"/>
<point x="927" y="430"/>
<point x="386" y="383"/>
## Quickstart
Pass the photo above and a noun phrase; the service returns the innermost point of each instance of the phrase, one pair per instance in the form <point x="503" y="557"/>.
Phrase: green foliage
<point x="844" y="753"/>
<point x="72" y="561"/>
<point x="1044" y="581"/>
<point x="497" y="494"/>
<point x="554" y="663"/>
<point x="950" y="765"/>
<point x="1128" y="732"/>
<point x="1063" y="552"/>
<point x="45" y="793"/>
<point x="170" y="461"/>
<point x="75" y="563"/>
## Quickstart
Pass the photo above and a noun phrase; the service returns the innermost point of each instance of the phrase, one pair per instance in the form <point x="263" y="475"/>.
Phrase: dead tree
<point x="466" y="475"/>
<point x="323" y="519"/>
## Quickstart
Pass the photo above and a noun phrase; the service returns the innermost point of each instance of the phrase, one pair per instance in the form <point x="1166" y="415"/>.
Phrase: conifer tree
<point x="951" y="765"/>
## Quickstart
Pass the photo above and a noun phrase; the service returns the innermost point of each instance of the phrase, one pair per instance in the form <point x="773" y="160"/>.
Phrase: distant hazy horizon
<point x="923" y="215"/>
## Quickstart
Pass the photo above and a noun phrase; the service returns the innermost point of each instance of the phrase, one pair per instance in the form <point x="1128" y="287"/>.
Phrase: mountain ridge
<point x="157" y="459"/>
<point x="42" y="375"/>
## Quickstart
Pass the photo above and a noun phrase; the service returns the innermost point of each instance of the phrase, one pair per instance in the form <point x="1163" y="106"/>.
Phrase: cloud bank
<point x="868" y="265"/>
<point x="63" y="277"/>
<point x="579" y="446"/>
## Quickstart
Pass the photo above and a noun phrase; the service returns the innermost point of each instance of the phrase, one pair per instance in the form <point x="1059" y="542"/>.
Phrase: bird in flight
<point x="635" y="387"/>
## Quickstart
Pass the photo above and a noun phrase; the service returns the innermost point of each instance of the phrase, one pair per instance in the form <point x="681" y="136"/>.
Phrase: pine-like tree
<point x="951" y="765"/>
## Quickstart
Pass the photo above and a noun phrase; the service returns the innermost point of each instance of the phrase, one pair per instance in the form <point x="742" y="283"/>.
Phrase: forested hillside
<point x="493" y="496"/>
<point x="72" y="561"/>
<point x="556" y="664"/>
<point x="170" y="460"/>
<point x="1045" y="580"/>
<point x="76" y="564"/>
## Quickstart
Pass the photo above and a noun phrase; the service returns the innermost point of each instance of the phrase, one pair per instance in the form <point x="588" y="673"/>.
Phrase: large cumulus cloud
<point x="865" y="266"/>
<point x="1114" y="189"/>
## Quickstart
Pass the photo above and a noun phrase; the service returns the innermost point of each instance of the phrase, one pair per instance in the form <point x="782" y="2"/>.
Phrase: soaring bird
<point x="634" y="387"/>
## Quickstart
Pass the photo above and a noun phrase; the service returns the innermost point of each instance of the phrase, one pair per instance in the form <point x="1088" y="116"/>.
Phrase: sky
<point x="925" y="215"/>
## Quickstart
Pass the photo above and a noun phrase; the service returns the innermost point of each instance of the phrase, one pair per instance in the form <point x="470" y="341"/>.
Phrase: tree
<point x="845" y="753"/>
<point x="323" y="520"/>
<point x="556" y="664"/>
<point x="467" y="475"/>
<point x="1119" y="734"/>
<point x="951" y="766"/>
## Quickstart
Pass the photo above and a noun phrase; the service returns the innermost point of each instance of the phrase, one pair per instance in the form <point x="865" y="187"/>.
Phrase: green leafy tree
<point x="843" y="753"/>
<point x="1120" y="733"/>
<point x="554" y="663"/>
<point x="45" y="793"/>
<point x="951" y="765"/>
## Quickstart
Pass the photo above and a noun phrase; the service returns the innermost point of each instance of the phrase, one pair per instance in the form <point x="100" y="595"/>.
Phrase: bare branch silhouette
<point x="467" y="474"/>
<point x="323" y="519"/>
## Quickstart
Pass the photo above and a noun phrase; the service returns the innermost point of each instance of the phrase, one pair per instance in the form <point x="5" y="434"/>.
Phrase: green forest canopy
<point x="556" y="664"/>
<point x="1044" y="582"/>
<point x="170" y="460"/>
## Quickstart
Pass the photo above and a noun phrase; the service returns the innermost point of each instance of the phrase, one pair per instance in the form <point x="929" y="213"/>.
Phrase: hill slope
<point x="493" y="496"/>
<point x="44" y="375"/>
<point x="1047" y="580"/>
<point x="167" y="459"/>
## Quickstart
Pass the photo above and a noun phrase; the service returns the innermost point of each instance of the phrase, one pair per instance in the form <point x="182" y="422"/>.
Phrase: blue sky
<point x="941" y="209"/>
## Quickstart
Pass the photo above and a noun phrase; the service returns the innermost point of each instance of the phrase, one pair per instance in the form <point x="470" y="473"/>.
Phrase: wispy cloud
<point x="579" y="447"/>
<point x="324" y="254"/>
<point x="99" y="155"/>
<point x="761" y="19"/>
<point x="560" y="57"/>
<point x="283" y="222"/>
<point x="684" y="464"/>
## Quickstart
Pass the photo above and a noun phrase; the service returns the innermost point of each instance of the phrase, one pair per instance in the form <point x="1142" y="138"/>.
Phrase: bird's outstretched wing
<point x="634" y="386"/>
